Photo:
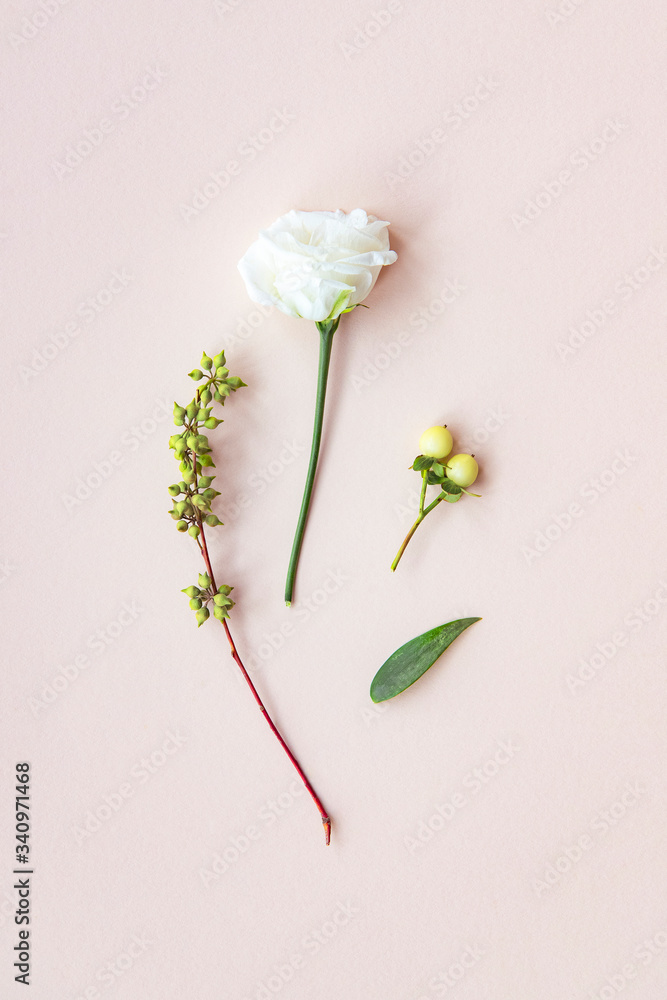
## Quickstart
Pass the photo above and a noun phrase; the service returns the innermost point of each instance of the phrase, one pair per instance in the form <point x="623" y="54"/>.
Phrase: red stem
<point x="326" y="821"/>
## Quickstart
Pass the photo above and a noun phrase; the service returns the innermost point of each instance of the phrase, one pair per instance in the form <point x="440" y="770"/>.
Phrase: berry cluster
<point x="452" y="474"/>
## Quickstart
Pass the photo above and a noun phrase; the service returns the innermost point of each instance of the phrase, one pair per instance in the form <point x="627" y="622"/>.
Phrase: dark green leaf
<point x="422" y="462"/>
<point x="408" y="663"/>
<point x="449" y="487"/>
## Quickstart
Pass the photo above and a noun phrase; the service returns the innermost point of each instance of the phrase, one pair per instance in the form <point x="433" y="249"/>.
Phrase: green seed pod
<point x="183" y="486"/>
<point x="224" y="389"/>
<point x="201" y="443"/>
<point x="221" y="372"/>
<point x="204" y="580"/>
<point x="181" y="507"/>
<point x="181" y="448"/>
<point x="220" y="613"/>
<point x="196" y="374"/>
<point x="210" y="494"/>
<point x="191" y="410"/>
<point x="219" y="360"/>
<point x="174" y="490"/>
<point x="201" y="616"/>
<point x="212" y="520"/>
<point x="192" y="441"/>
<point x="212" y="423"/>
<point x="205" y="396"/>
<point x="182" y="526"/>
<point x="174" y="514"/>
<point x="221" y="601"/>
<point x="205" y="481"/>
<point x="191" y="591"/>
<point x="193" y="530"/>
<point x="224" y="589"/>
<point x="206" y="362"/>
<point x="179" y="414"/>
<point x="195" y="603"/>
<point x="200" y="501"/>
<point x="206" y="460"/>
<point x="189" y="476"/>
<point x="236" y="382"/>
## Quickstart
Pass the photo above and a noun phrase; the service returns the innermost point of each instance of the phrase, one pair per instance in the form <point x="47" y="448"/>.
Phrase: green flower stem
<point x="422" y="514"/>
<point x="327" y="331"/>
<point x="201" y="541"/>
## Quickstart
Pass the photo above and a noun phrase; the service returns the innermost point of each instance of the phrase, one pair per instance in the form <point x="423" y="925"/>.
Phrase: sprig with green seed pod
<point x="192" y="498"/>
<point x="452" y="474"/>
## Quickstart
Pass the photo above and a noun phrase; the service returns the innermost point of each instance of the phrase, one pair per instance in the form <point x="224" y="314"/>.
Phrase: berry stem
<point x="423" y="492"/>
<point x="422" y="514"/>
<point x="326" y="821"/>
<point x="327" y="330"/>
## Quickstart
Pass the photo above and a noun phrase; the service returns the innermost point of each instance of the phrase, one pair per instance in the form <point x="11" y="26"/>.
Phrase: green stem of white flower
<point x="327" y="330"/>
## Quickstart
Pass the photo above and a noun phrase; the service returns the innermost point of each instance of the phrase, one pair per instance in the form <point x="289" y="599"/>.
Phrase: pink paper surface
<point x="499" y="829"/>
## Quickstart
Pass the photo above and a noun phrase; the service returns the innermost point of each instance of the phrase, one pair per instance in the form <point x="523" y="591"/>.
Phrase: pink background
<point x="543" y="878"/>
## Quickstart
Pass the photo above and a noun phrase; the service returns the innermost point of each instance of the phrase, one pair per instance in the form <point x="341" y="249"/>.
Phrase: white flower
<point x="316" y="264"/>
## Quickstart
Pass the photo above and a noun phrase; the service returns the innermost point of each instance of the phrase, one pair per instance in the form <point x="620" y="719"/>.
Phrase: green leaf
<point x="438" y="469"/>
<point x="422" y="462"/>
<point x="449" y="487"/>
<point x="408" y="663"/>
